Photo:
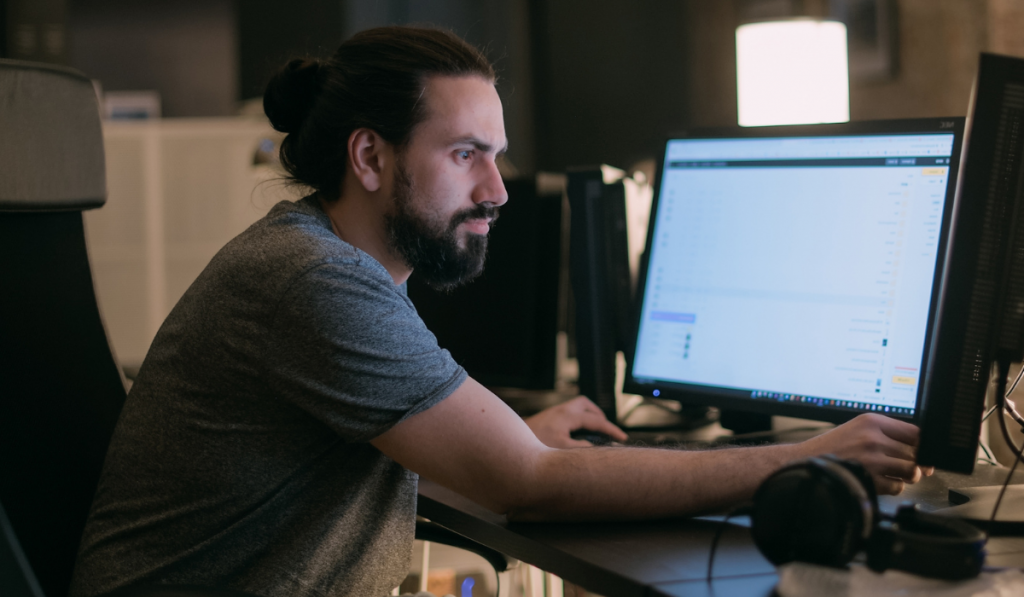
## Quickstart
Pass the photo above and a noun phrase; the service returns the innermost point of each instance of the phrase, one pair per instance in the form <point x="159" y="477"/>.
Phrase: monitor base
<point x="742" y="423"/>
<point x="974" y="504"/>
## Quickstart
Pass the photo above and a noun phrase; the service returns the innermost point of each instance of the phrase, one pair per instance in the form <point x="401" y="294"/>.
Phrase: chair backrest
<point x="16" y="576"/>
<point x="60" y="389"/>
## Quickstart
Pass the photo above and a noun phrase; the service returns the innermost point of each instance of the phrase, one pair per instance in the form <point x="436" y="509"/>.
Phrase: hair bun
<point x="290" y="94"/>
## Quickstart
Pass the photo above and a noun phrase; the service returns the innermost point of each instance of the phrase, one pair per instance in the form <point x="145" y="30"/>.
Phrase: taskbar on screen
<point x="832" y="402"/>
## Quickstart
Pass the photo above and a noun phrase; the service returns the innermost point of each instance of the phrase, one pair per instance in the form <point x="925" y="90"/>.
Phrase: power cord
<point x="1016" y="381"/>
<point x="988" y="453"/>
<point x="1011" y="408"/>
<point x="1004" y="403"/>
<point x="992" y="409"/>
<point x="988" y="413"/>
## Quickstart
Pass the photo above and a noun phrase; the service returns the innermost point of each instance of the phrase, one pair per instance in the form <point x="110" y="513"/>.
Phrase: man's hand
<point x="886" y="447"/>
<point x="553" y="425"/>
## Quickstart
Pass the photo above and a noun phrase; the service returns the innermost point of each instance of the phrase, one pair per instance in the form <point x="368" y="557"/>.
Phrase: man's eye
<point x="465" y="154"/>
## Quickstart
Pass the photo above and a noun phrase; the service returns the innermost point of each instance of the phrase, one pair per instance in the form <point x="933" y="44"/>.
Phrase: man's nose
<point x="491" y="189"/>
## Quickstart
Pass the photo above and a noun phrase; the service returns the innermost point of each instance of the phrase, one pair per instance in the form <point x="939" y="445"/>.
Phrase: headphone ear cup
<point x="927" y="545"/>
<point x="812" y="511"/>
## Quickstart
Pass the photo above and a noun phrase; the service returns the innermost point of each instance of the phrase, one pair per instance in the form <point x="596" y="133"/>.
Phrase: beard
<point x="430" y="246"/>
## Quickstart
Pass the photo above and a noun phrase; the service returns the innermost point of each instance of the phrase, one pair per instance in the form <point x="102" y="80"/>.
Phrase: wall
<point x="711" y="88"/>
<point x="611" y="79"/>
<point x="185" y="49"/>
<point x="500" y="28"/>
<point x="34" y="30"/>
<point x="939" y="42"/>
<point x="271" y="32"/>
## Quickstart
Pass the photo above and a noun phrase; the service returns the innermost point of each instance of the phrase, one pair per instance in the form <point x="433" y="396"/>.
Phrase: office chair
<point x="60" y="387"/>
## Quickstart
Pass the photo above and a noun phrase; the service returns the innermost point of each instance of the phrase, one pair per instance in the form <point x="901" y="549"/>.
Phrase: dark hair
<point x="375" y="80"/>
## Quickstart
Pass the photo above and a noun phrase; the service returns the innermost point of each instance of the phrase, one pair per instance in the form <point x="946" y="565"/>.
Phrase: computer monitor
<point x="980" y="314"/>
<point x="600" y="278"/>
<point x="794" y="270"/>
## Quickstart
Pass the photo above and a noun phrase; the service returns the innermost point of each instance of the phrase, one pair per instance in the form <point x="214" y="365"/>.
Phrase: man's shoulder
<point x="298" y="231"/>
<point x="293" y="239"/>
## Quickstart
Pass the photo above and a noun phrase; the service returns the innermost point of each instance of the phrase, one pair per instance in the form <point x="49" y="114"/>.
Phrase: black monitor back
<point x="981" y="313"/>
<point x="601" y="287"/>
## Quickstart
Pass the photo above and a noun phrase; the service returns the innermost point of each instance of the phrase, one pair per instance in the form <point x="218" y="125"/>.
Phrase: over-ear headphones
<point x="824" y="511"/>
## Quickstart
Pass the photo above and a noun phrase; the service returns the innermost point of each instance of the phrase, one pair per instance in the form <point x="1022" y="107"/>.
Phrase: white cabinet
<point x="178" y="190"/>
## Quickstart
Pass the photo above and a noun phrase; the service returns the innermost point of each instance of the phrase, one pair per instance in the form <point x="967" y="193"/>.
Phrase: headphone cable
<point x="738" y="511"/>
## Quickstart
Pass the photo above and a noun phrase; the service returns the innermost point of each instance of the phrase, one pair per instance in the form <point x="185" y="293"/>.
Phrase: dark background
<point x="583" y="81"/>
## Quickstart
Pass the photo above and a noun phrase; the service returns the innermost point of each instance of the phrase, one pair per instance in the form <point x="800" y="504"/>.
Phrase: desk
<point x="664" y="557"/>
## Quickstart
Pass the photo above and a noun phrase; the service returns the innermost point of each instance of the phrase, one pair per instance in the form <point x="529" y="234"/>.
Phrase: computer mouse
<point x="595" y="437"/>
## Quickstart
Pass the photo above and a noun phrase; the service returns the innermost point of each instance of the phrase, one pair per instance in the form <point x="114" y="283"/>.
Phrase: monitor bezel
<point x="732" y="399"/>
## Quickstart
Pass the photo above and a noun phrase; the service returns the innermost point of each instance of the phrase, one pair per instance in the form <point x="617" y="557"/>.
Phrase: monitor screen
<point x="793" y="270"/>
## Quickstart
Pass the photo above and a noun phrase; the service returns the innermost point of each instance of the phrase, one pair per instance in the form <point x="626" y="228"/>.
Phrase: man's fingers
<point x="915" y="475"/>
<point x="898" y="469"/>
<point x="597" y="422"/>
<point x="586" y="405"/>
<point x="903" y="447"/>
<point x="900" y="431"/>
<point x="888" y="485"/>
<point x="895" y="449"/>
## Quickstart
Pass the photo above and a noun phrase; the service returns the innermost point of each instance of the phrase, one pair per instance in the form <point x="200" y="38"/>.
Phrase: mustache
<point x="481" y="211"/>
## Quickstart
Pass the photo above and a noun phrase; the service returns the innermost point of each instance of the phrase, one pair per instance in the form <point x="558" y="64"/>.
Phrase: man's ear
<point x="368" y="153"/>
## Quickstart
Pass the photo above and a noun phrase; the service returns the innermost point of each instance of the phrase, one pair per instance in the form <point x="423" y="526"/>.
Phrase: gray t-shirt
<point x="241" y="457"/>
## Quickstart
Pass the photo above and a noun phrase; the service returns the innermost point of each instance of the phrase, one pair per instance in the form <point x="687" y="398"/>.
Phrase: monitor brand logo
<point x="946" y="124"/>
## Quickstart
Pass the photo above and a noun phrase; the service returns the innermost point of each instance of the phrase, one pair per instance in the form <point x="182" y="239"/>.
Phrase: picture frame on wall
<point x="871" y="36"/>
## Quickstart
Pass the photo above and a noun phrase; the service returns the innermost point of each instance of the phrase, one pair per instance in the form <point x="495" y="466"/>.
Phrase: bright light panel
<point x="792" y="72"/>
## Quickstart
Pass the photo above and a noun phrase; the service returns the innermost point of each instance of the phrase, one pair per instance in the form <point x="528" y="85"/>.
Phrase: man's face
<point x="446" y="186"/>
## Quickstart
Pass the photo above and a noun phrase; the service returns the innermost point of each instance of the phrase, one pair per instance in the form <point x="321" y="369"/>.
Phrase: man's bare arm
<point x="474" y="444"/>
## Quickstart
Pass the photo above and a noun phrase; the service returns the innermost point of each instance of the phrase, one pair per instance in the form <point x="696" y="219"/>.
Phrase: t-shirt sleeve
<point x="351" y="350"/>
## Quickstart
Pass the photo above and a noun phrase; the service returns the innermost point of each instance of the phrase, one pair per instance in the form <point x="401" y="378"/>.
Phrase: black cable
<point x="1006" y="483"/>
<point x="1001" y="404"/>
<point x="718" y="534"/>
<point x="1015" y="381"/>
<point x="1006" y="394"/>
<point x="1003" y="372"/>
<point x="1011" y="409"/>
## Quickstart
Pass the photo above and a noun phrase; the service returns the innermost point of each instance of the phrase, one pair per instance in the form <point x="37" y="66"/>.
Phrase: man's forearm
<point x="632" y="483"/>
<point x="474" y="444"/>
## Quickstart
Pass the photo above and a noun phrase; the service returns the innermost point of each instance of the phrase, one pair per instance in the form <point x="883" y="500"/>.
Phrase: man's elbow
<point x="531" y="493"/>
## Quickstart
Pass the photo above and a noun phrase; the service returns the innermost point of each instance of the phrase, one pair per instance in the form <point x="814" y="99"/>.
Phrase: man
<point x="273" y="438"/>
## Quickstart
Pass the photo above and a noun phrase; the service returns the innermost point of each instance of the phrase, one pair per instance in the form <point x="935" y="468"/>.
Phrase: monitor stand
<point x="741" y="423"/>
<point x="974" y="504"/>
<point x="970" y="497"/>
